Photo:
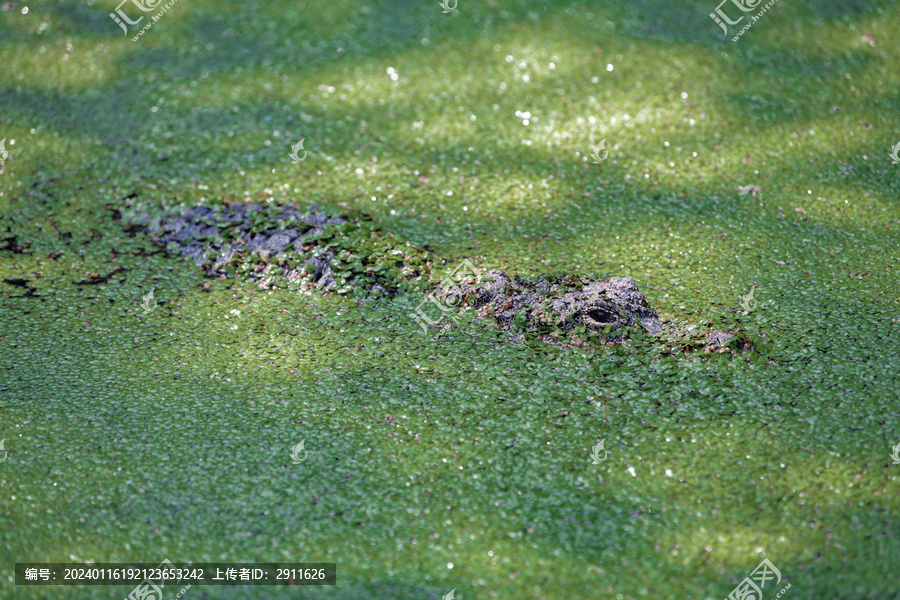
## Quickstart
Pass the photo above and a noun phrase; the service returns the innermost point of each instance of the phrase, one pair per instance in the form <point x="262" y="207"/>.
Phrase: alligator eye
<point x="602" y="316"/>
